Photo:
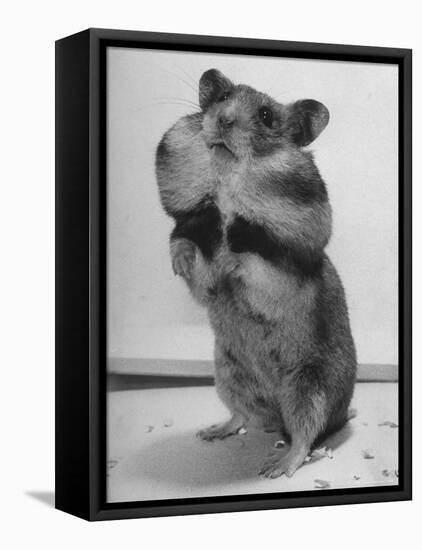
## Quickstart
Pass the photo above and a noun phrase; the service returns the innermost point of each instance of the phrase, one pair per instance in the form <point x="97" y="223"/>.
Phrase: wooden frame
<point x="81" y="277"/>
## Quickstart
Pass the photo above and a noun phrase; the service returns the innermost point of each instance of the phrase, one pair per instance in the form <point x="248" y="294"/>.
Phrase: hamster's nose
<point x="225" y="121"/>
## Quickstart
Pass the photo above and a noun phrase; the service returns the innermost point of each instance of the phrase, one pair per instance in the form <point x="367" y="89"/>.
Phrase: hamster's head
<point x="240" y="122"/>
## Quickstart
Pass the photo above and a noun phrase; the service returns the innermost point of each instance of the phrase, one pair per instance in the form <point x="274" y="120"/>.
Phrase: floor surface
<point x="153" y="451"/>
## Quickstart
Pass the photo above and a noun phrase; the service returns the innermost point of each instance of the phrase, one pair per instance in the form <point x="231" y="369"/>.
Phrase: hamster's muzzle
<point x="225" y="121"/>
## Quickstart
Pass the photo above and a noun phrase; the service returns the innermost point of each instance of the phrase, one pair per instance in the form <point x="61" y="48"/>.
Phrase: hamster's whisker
<point x="190" y="106"/>
<point x="277" y="96"/>
<point x="166" y="102"/>
<point x="193" y="83"/>
<point x="188" y="101"/>
<point x="193" y="88"/>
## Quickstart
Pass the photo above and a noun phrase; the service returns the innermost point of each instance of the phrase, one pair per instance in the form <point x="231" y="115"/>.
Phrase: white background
<point x="150" y="311"/>
<point x="27" y="174"/>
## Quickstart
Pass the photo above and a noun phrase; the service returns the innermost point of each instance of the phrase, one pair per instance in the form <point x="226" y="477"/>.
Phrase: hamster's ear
<point x="307" y="119"/>
<point x="211" y="85"/>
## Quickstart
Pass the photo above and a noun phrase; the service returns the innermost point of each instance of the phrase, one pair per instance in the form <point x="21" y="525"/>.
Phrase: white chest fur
<point x="230" y="181"/>
<point x="267" y="288"/>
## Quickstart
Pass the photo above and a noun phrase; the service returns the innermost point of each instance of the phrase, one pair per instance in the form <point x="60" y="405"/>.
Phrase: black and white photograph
<point x="209" y="250"/>
<point x="252" y="275"/>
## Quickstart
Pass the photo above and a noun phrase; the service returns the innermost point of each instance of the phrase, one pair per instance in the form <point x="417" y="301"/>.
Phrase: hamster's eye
<point x="223" y="97"/>
<point x="266" y="116"/>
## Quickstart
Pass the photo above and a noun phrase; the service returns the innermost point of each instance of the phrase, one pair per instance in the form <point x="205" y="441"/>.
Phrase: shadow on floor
<point x="185" y="460"/>
<point x="120" y="382"/>
<point x="336" y="440"/>
<point x="45" y="497"/>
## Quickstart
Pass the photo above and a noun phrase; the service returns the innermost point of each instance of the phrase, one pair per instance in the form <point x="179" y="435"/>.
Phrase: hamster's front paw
<point x="279" y="463"/>
<point x="182" y="257"/>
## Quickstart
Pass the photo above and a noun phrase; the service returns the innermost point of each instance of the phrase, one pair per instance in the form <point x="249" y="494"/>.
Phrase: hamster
<point x="252" y="220"/>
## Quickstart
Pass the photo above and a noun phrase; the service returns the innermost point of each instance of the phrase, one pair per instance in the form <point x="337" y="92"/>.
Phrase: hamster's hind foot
<point x="280" y="462"/>
<point x="223" y="430"/>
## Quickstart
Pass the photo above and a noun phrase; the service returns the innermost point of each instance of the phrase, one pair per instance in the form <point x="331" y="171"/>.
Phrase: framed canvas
<point x="233" y="322"/>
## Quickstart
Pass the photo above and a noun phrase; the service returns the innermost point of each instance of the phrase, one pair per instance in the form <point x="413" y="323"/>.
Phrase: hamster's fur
<point x="252" y="220"/>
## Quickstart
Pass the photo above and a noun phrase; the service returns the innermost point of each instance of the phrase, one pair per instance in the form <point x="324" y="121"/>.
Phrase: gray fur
<point x="284" y="353"/>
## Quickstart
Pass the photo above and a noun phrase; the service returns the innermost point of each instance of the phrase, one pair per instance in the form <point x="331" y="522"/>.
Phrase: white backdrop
<point x="150" y="312"/>
<point x="27" y="277"/>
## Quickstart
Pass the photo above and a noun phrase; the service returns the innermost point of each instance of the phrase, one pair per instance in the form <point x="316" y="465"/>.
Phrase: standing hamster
<point x="252" y="220"/>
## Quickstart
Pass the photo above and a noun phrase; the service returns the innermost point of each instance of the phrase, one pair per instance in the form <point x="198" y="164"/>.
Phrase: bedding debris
<point x="321" y="484"/>
<point x="322" y="452"/>
<point x="389" y="423"/>
<point x="390" y="473"/>
<point x="368" y="453"/>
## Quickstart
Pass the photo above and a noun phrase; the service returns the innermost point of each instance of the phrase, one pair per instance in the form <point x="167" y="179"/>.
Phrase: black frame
<point x="81" y="274"/>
